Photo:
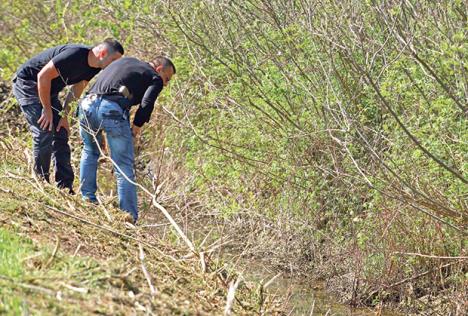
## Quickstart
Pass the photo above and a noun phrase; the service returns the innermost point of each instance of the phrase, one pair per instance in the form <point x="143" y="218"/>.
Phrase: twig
<point x="57" y="244"/>
<point x="153" y="225"/>
<point x="430" y="256"/>
<point x="231" y="295"/>
<point x="29" y="286"/>
<point x="145" y="272"/>
<point x="81" y="290"/>
<point x="202" y="261"/>
<point x="76" y="250"/>
<point x="312" y="308"/>
<point x="106" y="213"/>
<point x="5" y="190"/>
<point x="272" y="280"/>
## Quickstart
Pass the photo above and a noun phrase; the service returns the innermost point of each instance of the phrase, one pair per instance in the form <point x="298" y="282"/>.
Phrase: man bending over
<point x="36" y="86"/>
<point x="124" y="83"/>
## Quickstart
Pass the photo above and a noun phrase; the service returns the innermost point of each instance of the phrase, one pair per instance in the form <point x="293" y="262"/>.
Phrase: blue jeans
<point x="46" y="144"/>
<point x="96" y="115"/>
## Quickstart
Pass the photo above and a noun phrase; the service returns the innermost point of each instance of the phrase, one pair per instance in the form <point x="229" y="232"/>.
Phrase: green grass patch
<point x="13" y="250"/>
<point x="35" y="278"/>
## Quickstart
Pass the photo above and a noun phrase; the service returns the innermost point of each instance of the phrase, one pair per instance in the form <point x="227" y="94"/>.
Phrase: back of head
<point x="112" y="46"/>
<point x="165" y="62"/>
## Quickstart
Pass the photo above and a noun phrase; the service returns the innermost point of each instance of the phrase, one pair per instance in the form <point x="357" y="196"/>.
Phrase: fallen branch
<point x="430" y="256"/>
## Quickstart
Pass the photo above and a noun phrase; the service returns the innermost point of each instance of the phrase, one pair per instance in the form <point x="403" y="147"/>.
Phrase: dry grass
<point x="140" y="269"/>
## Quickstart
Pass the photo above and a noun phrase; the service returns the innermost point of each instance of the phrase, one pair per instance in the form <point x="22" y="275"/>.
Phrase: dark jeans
<point x="46" y="144"/>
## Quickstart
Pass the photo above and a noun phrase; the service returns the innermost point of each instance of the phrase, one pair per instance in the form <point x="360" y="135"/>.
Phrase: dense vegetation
<point x="333" y="131"/>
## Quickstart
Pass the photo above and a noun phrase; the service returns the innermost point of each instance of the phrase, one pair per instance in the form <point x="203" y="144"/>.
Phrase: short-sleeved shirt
<point x="70" y="60"/>
<point x="142" y="81"/>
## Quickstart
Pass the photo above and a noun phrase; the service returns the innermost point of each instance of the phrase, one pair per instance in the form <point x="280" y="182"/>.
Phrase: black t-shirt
<point x="142" y="81"/>
<point x="70" y="60"/>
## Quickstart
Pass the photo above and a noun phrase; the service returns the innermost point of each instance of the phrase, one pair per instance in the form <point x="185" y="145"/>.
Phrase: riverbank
<point x="61" y="255"/>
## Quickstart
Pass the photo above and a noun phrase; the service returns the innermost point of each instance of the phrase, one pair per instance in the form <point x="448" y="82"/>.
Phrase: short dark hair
<point x="113" y="46"/>
<point x="165" y="62"/>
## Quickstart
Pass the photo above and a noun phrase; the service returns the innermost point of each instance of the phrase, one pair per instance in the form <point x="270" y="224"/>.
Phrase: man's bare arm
<point x="44" y="79"/>
<point x="74" y="94"/>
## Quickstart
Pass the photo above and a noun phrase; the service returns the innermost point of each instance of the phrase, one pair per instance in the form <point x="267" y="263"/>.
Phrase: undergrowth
<point x="60" y="255"/>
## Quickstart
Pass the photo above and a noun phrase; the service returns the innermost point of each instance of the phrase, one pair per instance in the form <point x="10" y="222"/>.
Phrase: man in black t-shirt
<point x="36" y="87"/>
<point x="124" y="83"/>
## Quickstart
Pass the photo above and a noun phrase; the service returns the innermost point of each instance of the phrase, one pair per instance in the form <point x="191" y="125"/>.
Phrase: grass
<point x="35" y="277"/>
<point x="12" y="251"/>
<point x="60" y="255"/>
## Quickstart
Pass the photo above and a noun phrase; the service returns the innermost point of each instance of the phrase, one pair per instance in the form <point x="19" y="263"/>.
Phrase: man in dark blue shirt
<point x="36" y="87"/>
<point x="124" y="83"/>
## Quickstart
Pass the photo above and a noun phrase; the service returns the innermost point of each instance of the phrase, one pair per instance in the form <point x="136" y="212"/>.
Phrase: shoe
<point x="128" y="220"/>
<point x="66" y="188"/>
<point x="88" y="200"/>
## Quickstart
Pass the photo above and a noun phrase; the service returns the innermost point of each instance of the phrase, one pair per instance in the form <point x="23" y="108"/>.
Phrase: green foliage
<point x="297" y="113"/>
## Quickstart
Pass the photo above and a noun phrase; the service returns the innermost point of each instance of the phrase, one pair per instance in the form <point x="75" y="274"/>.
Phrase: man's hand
<point x="136" y="131"/>
<point x="63" y="123"/>
<point x="46" y="121"/>
<point x="136" y="138"/>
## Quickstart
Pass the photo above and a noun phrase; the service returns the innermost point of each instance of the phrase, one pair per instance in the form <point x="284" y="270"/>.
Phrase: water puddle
<point x="306" y="298"/>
